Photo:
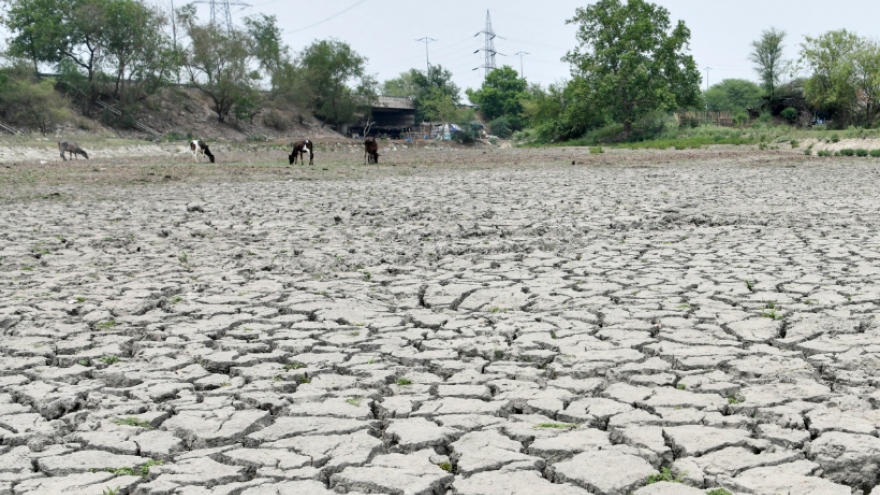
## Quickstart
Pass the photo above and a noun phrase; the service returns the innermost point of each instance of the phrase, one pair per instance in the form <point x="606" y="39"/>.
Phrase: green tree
<point x="219" y="65"/>
<point x="733" y="95"/>
<point x="544" y="105"/>
<point x="437" y="97"/>
<point x="138" y="51"/>
<point x="866" y="74"/>
<point x="630" y="62"/>
<point x="502" y="95"/>
<point x="831" y="86"/>
<point x="268" y="46"/>
<point x="37" y="30"/>
<point x="402" y="86"/>
<point x="767" y="57"/>
<point x="28" y="104"/>
<point x="339" y="87"/>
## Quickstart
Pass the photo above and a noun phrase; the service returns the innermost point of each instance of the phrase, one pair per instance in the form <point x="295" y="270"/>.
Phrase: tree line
<point x="630" y="68"/>
<point x="124" y="51"/>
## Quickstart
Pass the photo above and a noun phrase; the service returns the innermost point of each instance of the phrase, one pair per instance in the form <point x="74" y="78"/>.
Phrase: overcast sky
<point x="385" y="31"/>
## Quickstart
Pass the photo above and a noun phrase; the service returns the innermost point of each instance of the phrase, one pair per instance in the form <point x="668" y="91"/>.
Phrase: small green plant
<point x="494" y="309"/>
<point x="134" y="422"/>
<point x="794" y="143"/>
<point x="596" y="150"/>
<point x="874" y="153"/>
<point x="718" y="491"/>
<point x="27" y="268"/>
<point x="176" y="300"/>
<point x="736" y="399"/>
<point x="80" y="299"/>
<point x="109" y="359"/>
<point x="183" y="257"/>
<point x="84" y="362"/>
<point x="106" y="325"/>
<point x="681" y="386"/>
<point x="445" y="466"/>
<point x="823" y="153"/>
<point x="293" y="366"/>
<point x="772" y="314"/>
<point x="555" y="426"/>
<point x="808" y="152"/>
<point x="771" y="305"/>
<point x="110" y="491"/>
<point x="404" y="382"/>
<point x="750" y="286"/>
<point x="226" y="384"/>
<point x="848" y="152"/>
<point x="665" y="474"/>
<point x="355" y="401"/>
<point x="862" y="153"/>
<point x="835" y="138"/>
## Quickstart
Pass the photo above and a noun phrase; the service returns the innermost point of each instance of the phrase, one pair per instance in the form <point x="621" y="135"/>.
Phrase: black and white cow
<point x="199" y="147"/>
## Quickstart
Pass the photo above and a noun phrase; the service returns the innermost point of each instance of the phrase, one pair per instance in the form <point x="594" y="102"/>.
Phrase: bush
<point x="765" y="117"/>
<point x="823" y="153"/>
<point x="274" y="120"/>
<point x="468" y="132"/>
<point x="789" y="114"/>
<point x="501" y="127"/>
<point x="848" y="152"/>
<point x="861" y="152"/>
<point x="875" y="153"/>
<point x="33" y="105"/>
<point x="835" y="138"/>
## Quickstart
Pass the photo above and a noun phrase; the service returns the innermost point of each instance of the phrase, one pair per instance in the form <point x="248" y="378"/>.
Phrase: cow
<point x="371" y="151"/>
<point x="300" y="148"/>
<point x="199" y="147"/>
<point x="72" y="148"/>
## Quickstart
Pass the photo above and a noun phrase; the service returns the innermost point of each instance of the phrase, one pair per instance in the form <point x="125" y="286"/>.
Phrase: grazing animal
<point x="371" y="151"/>
<point x="300" y="148"/>
<point x="72" y="148"/>
<point x="199" y="147"/>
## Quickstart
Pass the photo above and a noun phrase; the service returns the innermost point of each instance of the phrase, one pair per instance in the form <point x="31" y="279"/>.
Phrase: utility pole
<point x="427" y="40"/>
<point x="707" y="86"/>
<point x="521" y="54"/>
<point x="489" y="46"/>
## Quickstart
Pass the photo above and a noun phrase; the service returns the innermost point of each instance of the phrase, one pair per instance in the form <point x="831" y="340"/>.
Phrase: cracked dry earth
<point x="564" y="330"/>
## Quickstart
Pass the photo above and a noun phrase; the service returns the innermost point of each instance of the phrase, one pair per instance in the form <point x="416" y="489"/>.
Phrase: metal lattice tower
<point x="489" y="47"/>
<point x="221" y="10"/>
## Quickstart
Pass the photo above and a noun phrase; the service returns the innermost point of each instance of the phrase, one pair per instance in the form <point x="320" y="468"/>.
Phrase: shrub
<point x="789" y="114"/>
<point x="33" y="105"/>
<point x="861" y="152"/>
<point x="501" y="127"/>
<point x="875" y="153"/>
<point x="274" y="120"/>
<point x="848" y="152"/>
<point x="835" y="138"/>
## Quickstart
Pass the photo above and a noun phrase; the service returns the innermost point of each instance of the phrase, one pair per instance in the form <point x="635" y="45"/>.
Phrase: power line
<point x="427" y="40"/>
<point x="334" y="16"/>
<point x="224" y="8"/>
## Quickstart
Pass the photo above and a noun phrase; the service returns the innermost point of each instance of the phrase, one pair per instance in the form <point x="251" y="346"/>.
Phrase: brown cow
<point x="300" y="148"/>
<point x="371" y="151"/>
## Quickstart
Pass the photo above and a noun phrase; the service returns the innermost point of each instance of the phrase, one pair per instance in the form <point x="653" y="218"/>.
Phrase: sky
<point x="385" y="31"/>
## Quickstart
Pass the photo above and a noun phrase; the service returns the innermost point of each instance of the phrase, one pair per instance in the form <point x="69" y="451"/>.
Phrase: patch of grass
<point x="665" y="474"/>
<point x="555" y="426"/>
<point x="106" y="325"/>
<point x="109" y="359"/>
<point x="404" y="382"/>
<point x="226" y="384"/>
<point x="874" y="153"/>
<point x="750" y="286"/>
<point x="355" y="401"/>
<point x="293" y="366"/>
<point x="862" y="153"/>
<point x="848" y="152"/>
<point x="84" y="362"/>
<point x="81" y="300"/>
<point x="27" y="268"/>
<point x="494" y="309"/>
<point x="596" y="150"/>
<point x="110" y="491"/>
<point x="445" y="466"/>
<point x="133" y="422"/>
<point x="772" y="314"/>
<point x="176" y="300"/>
<point x="718" y="491"/>
<point x="681" y="386"/>
<point x="735" y="399"/>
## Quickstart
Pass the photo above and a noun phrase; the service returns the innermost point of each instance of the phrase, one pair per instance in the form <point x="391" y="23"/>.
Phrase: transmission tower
<point x="223" y="10"/>
<point x="489" y="47"/>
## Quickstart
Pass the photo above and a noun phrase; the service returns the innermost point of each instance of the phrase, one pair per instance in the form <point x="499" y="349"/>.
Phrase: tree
<point x="631" y="61"/>
<point x="37" y="30"/>
<point x="866" y="74"/>
<point x="831" y="87"/>
<point x="767" y="57"/>
<point x="219" y="65"/>
<point x="337" y="82"/>
<point x="437" y="97"/>
<point x="733" y="95"/>
<point x="502" y="95"/>
<point x="401" y="86"/>
<point x="34" y="105"/>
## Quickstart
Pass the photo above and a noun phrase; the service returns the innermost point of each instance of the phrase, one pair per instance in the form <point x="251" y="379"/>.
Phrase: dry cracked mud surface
<point x="563" y="330"/>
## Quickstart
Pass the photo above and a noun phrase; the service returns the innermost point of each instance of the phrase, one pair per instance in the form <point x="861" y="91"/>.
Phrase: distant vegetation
<point x="123" y="52"/>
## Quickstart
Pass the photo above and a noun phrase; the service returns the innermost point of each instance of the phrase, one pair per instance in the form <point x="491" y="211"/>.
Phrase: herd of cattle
<point x="200" y="148"/>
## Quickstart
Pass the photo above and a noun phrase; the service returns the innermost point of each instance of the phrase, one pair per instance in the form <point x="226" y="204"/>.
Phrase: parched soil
<point x="452" y="321"/>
